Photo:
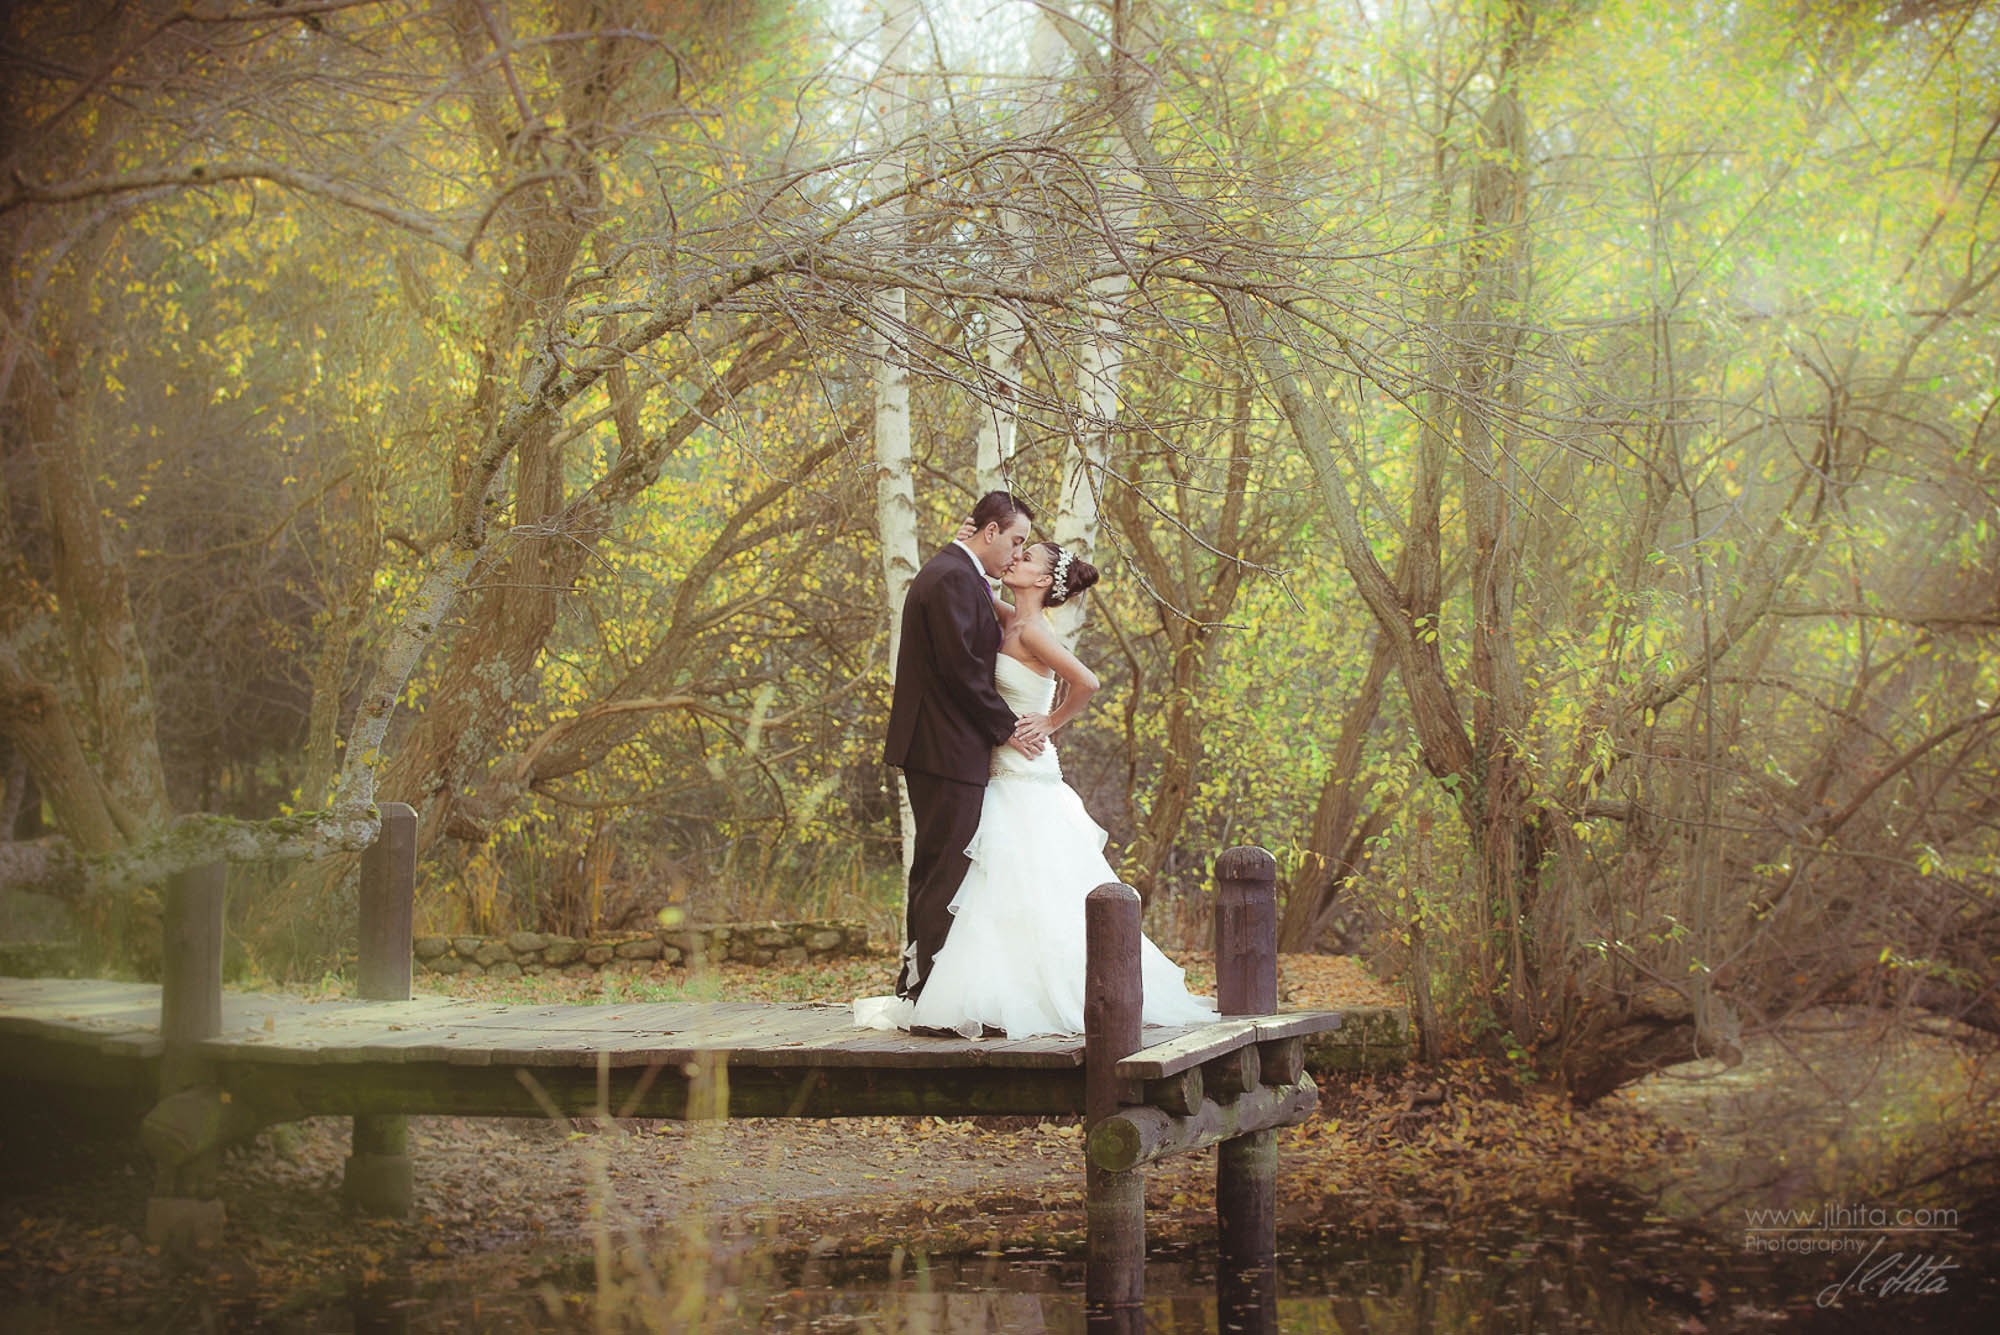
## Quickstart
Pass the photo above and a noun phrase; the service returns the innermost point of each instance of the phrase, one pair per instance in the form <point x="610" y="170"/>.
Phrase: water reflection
<point x="1601" y="1268"/>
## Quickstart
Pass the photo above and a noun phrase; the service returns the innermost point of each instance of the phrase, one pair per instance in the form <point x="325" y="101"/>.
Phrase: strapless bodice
<point x="1026" y="691"/>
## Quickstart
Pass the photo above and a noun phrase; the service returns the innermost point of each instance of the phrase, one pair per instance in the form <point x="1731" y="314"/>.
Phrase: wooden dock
<point x="291" y="1057"/>
<point x="214" y="1067"/>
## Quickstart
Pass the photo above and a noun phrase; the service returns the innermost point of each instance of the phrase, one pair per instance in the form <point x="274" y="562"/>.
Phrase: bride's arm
<point x="1079" y="682"/>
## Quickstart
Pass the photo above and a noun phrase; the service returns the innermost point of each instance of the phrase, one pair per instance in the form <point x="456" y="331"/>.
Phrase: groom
<point x="946" y="715"/>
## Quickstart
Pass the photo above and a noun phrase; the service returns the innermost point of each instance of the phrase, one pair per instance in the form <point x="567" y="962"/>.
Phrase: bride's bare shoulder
<point x="1014" y="648"/>
<point x="1038" y="639"/>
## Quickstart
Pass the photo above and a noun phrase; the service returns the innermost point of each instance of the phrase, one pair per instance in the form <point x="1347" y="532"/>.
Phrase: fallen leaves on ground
<point x="1305" y="982"/>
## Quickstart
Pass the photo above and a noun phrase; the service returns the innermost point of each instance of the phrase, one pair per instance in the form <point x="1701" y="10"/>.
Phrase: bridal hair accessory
<point x="1060" y="589"/>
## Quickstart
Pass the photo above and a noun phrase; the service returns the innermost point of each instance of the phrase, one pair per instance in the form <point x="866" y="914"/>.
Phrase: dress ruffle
<point x="1014" y="958"/>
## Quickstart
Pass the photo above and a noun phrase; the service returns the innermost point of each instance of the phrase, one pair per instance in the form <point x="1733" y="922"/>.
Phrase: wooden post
<point x="1114" y="1202"/>
<point x="1246" y="1272"/>
<point x="388" y="887"/>
<point x="1246" y="932"/>
<point x="379" y="1180"/>
<point x="1246" y="1167"/>
<point x="183" y="1213"/>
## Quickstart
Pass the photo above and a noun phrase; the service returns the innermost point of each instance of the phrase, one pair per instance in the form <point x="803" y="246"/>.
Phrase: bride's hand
<point x="1033" y="728"/>
<point x="965" y="532"/>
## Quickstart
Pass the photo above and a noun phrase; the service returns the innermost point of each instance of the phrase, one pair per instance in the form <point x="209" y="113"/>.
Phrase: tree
<point x="1477" y="372"/>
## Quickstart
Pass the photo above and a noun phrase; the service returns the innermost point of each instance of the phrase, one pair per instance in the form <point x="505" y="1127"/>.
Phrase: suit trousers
<point x="947" y="816"/>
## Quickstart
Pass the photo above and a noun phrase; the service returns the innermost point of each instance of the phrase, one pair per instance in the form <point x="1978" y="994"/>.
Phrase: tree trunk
<point x="1333" y="854"/>
<point x="1040" y="101"/>
<point x="1494" y="274"/>
<point x="1100" y="353"/>
<point x="95" y="613"/>
<point x="1191" y="599"/>
<point x="32" y="716"/>
<point x="895" y="483"/>
<point x="998" y="421"/>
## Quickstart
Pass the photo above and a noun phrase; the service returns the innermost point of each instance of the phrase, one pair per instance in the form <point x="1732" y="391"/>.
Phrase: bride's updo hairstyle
<point x="1072" y="575"/>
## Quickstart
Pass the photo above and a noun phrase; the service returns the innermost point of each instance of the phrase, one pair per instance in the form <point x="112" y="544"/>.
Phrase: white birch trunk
<point x="1100" y="361"/>
<point x="895" y="485"/>
<point x="1100" y="356"/>
<point x="999" y="419"/>
<point x="895" y="505"/>
<point x="1040" y="102"/>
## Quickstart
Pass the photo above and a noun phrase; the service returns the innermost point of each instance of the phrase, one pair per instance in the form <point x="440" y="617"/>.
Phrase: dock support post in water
<point x="379" y="1180"/>
<point x="1114" y="1202"/>
<point x="1246" y="1166"/>
<point x="183" y="1132"/>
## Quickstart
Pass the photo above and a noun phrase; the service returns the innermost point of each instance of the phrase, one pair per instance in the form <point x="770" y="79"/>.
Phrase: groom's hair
<point x="999" y="507"/>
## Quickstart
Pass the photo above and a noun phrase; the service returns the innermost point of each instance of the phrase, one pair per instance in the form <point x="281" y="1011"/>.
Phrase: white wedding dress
<point x="1014" y="958"/>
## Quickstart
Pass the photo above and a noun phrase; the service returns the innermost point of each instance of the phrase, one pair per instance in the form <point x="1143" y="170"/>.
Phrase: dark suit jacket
<point x="946" y="716"/>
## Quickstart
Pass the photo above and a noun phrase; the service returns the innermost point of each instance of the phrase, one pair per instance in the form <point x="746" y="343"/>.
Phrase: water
<point x="1600" y="1267"/>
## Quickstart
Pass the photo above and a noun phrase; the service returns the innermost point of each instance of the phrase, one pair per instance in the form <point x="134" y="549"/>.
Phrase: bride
<point x="1013" y="961"/>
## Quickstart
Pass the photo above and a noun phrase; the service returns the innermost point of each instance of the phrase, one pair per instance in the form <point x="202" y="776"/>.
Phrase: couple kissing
<point x="1004" y="851"/>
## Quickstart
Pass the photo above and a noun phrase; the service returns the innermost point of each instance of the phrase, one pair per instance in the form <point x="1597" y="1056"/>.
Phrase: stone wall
<point x="722" y="943"/>
<point x="1370" y="1038"/>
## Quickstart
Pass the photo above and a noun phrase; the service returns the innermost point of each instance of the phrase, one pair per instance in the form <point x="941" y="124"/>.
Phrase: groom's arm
<point x="953" y="614"/>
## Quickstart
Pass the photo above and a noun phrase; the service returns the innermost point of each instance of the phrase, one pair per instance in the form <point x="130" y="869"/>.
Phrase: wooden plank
<point x="73" y="1075"/>
<point x="89" y="1000"/>
<point x="1190" y="1049"/>
<point x="84" y="1027"/>
<point x="499" y="1091"/>
<point x="280" y="1030"/>
<point x="1296" y="1024"/>
<point x="137" y="1046"/>
<point x="1205" y="1042"/>
<point x="397" y="1045"/>
<point x="33" y="992"/>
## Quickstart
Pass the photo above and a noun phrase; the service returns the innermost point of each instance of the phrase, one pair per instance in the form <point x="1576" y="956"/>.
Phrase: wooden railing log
<point x="1282" y="1060"/>
<point x="1179" y="1094"/>
<point x="1133" y="1137"/>
<point x="1233" y="1074"/>
<point x="197" y="1121"/>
